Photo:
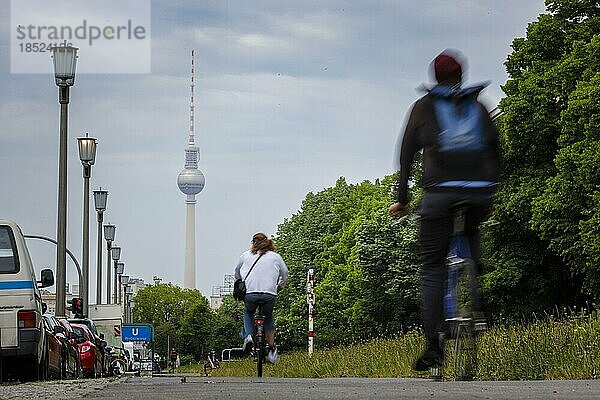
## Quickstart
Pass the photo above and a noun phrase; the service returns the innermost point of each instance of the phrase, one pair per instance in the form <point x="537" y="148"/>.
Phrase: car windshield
<point x="80" y="332"/>
<point x="87" y="322"/>
<point x="66" y="325"/>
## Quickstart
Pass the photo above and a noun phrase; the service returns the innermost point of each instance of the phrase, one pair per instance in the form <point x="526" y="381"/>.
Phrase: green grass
<point x="545" y="349"/>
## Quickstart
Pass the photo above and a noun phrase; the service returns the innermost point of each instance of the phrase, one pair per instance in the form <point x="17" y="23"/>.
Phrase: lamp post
<point x="120" y="270"/>
<point x="116" y="254"/>
<point x="126" y="307"/>
<point x="100" y="197"/>
<point x="125" y="283"/>
<point x="109" y="236"/>
<point x="128" y="298"/>
<point x="65" y="62"/>
<point x="131" y="307"/>
<point x="87" y="155"/>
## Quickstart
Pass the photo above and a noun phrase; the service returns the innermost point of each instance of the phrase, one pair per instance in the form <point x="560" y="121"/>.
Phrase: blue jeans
<point x="250" y="305"/>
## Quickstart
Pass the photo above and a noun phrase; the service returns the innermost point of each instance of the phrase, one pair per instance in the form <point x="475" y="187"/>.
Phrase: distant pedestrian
<point x="173" y="356"/>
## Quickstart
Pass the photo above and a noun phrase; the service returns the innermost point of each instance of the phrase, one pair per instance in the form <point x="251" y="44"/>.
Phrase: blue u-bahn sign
<point x="137" y="333"/>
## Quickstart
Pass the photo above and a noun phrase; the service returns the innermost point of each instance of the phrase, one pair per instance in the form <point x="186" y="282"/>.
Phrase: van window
<point x="9" y="261"/>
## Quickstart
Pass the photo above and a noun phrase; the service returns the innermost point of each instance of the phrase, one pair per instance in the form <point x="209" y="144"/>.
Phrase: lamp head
<point x="109" y="232"/>
<point x="65" y="63"/>
<point x="100" y="197"/>
<point x="87" y="149"/>
<point x="115" y="253"/>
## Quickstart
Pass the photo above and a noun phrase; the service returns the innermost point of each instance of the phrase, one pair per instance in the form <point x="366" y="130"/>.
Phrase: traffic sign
<point x="136" y="333"/>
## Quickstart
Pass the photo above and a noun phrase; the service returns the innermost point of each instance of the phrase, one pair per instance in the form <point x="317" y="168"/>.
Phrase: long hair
<point x="261" y="243"/>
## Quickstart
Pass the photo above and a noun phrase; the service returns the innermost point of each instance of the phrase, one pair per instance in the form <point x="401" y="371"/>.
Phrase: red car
<point x="73" y="365"/>
<point x="54" y="346"/>
<point x="89" y="353"/>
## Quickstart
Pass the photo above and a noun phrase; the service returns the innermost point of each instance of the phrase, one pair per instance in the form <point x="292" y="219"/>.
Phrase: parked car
<point x="23" y="341"/>
<point x="75" y="369"/>
<point x="89" y="353"/>
<point x="70" y="366"/>
<point x="97" y="339"/>
<point x="54" y="346"/>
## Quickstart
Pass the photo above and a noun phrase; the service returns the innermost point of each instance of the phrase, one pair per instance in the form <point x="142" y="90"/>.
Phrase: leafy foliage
<point x="179" y="316"/>
<point x="366" y="272"/>
<point x="543" y="250"/>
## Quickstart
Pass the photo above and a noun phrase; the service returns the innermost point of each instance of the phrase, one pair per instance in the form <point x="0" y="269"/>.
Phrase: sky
<point x="290" y="95"/>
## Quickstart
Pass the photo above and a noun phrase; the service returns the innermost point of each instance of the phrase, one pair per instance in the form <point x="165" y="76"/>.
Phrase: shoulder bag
<point x="239" y="286"/>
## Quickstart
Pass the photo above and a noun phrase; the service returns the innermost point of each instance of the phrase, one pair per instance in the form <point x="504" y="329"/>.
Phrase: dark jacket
<point x="421" y="132"/>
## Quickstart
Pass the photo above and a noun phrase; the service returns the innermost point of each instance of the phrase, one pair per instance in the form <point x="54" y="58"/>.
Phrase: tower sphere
<point x="190" y="181"/>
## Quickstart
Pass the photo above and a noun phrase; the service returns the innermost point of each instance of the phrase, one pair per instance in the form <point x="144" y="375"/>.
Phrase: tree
<point x="227" y="325"/>
<point x="545" y="205"/>
<point x="177" y="315"/>
<point x="366" y="279"/>
<point x="196" y="328"/>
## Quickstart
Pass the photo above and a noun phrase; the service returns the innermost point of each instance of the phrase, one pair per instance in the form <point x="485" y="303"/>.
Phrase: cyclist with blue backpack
<point x="460" y="168"/>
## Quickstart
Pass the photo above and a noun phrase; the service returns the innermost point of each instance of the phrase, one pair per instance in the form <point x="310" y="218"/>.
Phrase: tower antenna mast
<point x="192" y="84"/>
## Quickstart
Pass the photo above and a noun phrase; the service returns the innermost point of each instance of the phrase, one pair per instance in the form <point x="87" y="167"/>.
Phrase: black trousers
<point x="436" y="210"/>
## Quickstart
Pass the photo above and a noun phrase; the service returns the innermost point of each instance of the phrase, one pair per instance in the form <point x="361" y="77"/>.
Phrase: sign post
<point x="143" y="333"/>
<point x="310" y="300"/>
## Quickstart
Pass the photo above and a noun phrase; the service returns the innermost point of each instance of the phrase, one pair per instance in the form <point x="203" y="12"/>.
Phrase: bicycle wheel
<point x="465" y="352"/>
<point x="465" y="346"/>
<point x="260" y="356"/>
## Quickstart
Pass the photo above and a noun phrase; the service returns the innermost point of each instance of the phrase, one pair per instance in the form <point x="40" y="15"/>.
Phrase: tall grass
<point x="548" y="348"/>
<point x="568" y="348"/>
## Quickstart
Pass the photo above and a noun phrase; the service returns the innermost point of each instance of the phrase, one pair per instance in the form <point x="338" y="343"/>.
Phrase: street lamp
<point x="120" y="270"/>
<point x="126" y="306"/>
<point x="131" y="307"/>
<point x="109" y="236"/>
<point x="125" y="283"/>
<point x="87" y="155"/>
<point x="116" y="254"/>
<point x="100" y="197"/>
<point x="128" y="298"/>
<point x="65" y="62"/>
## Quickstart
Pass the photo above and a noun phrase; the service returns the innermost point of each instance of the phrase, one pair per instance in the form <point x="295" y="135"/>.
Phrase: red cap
<point x="445" y="67"/>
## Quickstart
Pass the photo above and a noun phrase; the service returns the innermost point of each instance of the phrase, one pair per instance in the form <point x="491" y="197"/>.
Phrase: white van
<point x="23" y="338"/>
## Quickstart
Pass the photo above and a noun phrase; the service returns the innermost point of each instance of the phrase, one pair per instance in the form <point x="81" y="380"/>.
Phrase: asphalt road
<point x="172" y="387"/>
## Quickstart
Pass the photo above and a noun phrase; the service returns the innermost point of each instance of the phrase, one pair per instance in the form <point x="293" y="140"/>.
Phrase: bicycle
<point x="117" y="365"/>
<point x="464" y="323"/>
<point x="260" y="348"/>
<point x="212" y="363"/>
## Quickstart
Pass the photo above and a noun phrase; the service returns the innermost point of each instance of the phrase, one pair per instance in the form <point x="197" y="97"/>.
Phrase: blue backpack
<point x="462" y="136"/>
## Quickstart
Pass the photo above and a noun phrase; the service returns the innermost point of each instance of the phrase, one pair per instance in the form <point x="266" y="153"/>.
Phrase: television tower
<point x="190" y="182"/>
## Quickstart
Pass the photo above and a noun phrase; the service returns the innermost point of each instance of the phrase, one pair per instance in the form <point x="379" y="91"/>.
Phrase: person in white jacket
<point x="265" y="280"/>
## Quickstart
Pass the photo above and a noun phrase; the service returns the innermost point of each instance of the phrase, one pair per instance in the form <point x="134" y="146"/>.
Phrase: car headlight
<point x="85" y="349"/>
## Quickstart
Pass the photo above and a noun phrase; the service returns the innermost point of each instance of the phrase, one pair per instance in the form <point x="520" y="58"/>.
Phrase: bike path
<point x="194" y="387"/>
